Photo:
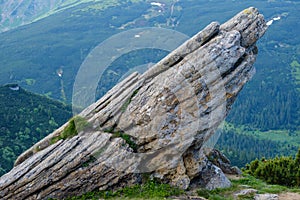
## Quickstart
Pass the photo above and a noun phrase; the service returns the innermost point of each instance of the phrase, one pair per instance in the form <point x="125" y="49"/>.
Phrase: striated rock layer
<point x="156" y="124"/>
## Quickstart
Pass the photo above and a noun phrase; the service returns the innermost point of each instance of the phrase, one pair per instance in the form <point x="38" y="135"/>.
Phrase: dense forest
<point x="25" y="118"/>
<point x="242" y="146"/>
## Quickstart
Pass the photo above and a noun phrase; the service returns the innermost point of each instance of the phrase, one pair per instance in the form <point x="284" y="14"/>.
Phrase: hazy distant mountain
<point x="16" y="13"/>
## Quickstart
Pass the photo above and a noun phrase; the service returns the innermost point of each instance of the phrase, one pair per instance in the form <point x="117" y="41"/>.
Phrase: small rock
<point x="217" y="179"/>
<point x="221" y="161"/>
<point x="187" y="198"/>
<point x="245" y="192"/>
<point x="196" y="198"/>
<point x="246" y="186"/>
<point x="266" y="197"/>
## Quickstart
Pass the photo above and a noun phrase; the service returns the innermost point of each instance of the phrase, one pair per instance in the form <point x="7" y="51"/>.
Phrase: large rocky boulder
<point x="154" y="125"/>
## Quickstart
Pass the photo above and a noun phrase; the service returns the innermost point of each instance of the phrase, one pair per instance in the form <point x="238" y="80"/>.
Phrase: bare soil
<point x="289" y="196"/>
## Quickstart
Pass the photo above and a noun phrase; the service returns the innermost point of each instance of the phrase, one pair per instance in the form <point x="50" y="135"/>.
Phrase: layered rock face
<point x="156" y="124"/>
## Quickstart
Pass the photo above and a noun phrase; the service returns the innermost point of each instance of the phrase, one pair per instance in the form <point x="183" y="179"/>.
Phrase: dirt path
<point x="289" y="196"/>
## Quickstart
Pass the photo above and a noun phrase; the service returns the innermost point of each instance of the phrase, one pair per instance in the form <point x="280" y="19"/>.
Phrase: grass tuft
<point x="75" y="126"/>
<point x="128" y="101"/>
<point x="149" y="190"/>
<point x="128" y="139"/>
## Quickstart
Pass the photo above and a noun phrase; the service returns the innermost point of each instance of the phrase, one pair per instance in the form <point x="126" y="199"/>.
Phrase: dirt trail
<point x="289" y="196"/>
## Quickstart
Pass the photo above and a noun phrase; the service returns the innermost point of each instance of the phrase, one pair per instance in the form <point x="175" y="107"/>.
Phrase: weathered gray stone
<point x="221" y="161"/>
<point x="245" y="192"/>
<point x="187" y="198"/>
<point x="266" y="197"/>
<point x="167" y="115"/>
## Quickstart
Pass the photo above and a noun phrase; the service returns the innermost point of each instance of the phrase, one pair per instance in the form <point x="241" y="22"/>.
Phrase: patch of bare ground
<point x="233" y="177"/>
<point x="289" y="196"/>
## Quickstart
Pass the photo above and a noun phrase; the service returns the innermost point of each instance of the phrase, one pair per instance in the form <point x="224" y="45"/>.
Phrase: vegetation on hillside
<point x="244" y="182"/>
<point x="25" y="118"/>
<point x="17" y="13"/>
<point x="279" y="170"/>
<point x="242" y="144"/>
<point x="154" y="190"/>
<point x="75" y="125"/>
<point x="61" y="42"/>
<point x="148" y="190"/>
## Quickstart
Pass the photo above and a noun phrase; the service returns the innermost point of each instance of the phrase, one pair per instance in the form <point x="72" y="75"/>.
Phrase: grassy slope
<point x="246" y="182"/>
<point x="155" y="191"/>
<point x="284" y="136"/>
<point x="17" y="13"/>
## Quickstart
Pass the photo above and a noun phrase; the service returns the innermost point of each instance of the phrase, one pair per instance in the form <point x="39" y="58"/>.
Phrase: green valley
<point x="243" y="144"/>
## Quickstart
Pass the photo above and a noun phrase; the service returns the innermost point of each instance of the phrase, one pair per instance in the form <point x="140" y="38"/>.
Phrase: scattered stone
<point x="245" y="192"/>
<point x="187" y="198"/>
<point x="266" y="197"/>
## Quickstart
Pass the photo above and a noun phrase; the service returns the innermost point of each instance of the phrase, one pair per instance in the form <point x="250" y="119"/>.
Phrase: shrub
<point x="280" y="170"/>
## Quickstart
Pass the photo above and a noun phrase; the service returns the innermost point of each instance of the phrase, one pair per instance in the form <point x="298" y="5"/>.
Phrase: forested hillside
<point x="25" y="118"/>
<point x="242" y="144"/>
<point x="266" y="115"/>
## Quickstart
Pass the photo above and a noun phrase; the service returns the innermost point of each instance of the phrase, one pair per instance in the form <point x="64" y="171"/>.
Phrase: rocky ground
<point x="289" y="196"/>
<point x="243" y="192"/>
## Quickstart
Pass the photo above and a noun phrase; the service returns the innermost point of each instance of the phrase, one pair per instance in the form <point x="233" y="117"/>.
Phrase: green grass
<point x="128" y="139"/>
<point x="154" y="190"/>
<point x="75" y="126"/>
<point x="283" y="136"/>
<point x="245" y="182"/>
<point x="128" y="101"/>
<point x="259" y="185"/>
<point x="89" y="161"/>
<point x="150" y="190"/>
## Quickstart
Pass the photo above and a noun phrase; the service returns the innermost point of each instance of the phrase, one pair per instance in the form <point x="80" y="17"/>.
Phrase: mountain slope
<point x="60" y="41"/>
<point x="243" y="145"/>
<point x="25" y="118"/>
<point x="17" y="13"/>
